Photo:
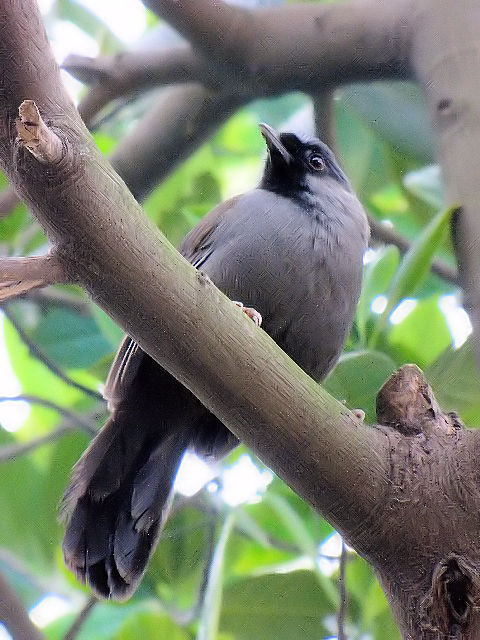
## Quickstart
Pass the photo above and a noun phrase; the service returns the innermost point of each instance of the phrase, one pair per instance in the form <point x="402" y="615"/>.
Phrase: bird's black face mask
<point x="295" y="165"/>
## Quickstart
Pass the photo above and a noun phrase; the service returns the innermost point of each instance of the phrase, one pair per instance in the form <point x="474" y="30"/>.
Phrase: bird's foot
<point x="251" y="313"/>
<point x="359" y="413"/>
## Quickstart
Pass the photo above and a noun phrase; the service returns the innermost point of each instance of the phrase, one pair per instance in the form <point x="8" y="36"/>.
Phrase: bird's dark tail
<point x="118" y="501"/>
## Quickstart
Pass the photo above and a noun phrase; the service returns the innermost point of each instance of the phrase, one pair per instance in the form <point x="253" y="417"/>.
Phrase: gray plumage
<point x="293" y="250"/>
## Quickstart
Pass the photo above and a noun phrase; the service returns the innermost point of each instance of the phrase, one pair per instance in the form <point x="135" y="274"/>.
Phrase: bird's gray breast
<point x="300" y="268"/>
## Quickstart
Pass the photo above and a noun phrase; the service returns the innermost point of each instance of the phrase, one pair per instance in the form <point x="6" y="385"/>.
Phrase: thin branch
<point x="13" y="451"/>
<point x="85" y="424"/>
<point x="14" y="615"/>
<point x="342" y="592"/>
<point x="134" y="70"/>
<point x="59" y="297"/>
<point x="381" y="233"/>
<point x="81" y="618"/>
<point x="180" y="616"/>
<point x="324" y="114"/>
<point x="36" y="352"/>
<point x="8" y="200"/>
<point x="209" y="551"/>
<point x="20" y="275"/>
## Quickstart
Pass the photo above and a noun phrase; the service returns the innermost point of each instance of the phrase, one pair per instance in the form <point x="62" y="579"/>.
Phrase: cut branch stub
<point x="36" y="136"/>
<point x="406" y="403"/>
<point x="21" y="275"/>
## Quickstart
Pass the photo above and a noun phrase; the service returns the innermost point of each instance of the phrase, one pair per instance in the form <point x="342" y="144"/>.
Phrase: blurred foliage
<point x="268" y="577"/>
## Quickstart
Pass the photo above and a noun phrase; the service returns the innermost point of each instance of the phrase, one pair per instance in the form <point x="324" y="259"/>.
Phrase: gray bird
<point x="292" y="250"/>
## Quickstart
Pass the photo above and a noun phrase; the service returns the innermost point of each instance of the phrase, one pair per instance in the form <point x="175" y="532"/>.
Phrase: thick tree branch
<point x="180" y="120"/>
<point x="14" y="615"/>
<point x="339" y="42"/>
<point x="209" y="26"/>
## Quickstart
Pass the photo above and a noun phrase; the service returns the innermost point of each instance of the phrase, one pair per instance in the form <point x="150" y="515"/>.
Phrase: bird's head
<point x="299" y="167"/>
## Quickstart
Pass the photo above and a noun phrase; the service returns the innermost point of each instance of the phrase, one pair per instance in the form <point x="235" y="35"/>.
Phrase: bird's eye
<point x="316" y="162"/>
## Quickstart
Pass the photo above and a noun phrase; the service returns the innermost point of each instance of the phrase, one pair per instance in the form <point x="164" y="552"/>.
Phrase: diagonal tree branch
<point x="375" y="485"/>
<point x="14" y="615"/>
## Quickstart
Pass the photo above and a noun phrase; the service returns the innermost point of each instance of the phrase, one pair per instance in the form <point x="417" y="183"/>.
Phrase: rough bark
<point x="393" y="491"/>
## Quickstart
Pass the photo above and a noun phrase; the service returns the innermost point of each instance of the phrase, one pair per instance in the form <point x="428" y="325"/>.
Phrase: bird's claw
<point x="250" y="312"/>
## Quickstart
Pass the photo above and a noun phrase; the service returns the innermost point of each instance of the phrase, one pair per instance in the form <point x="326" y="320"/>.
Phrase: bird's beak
<point x="273" y="142"/>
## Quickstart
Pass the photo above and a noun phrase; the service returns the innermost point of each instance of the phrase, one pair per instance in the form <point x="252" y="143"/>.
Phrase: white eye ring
<point x="316" y="162"/>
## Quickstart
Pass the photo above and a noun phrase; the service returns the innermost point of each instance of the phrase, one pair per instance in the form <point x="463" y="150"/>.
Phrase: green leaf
<point x="275" y="607"/>
<point x="180" y="556"/>
<point x="108" y="327"/>
<point x="357" y="378"/>
<point x="396" y="112"/>
<point x="414" y="267"/>
<point x="151" y="624"/>
<point x="377" y="276"/>
<point x="86" y="20"/>
<point x="37" y="380"/>
<point x="103" y="623"/>
<point x="104" y="142"/>
<point x="266" y="516"/>
<point x="70" y="339"/>
<point x="210" y="616"/>
<point x="292" y="521"/>
<point x="407" y="339"/>
<point x="456" y="382"/>
<point x="425" y="183"/>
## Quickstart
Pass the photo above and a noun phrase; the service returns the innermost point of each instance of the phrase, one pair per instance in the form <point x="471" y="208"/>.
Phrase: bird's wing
<point x="123" y="371"/>
<point x="196" y="247"/>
